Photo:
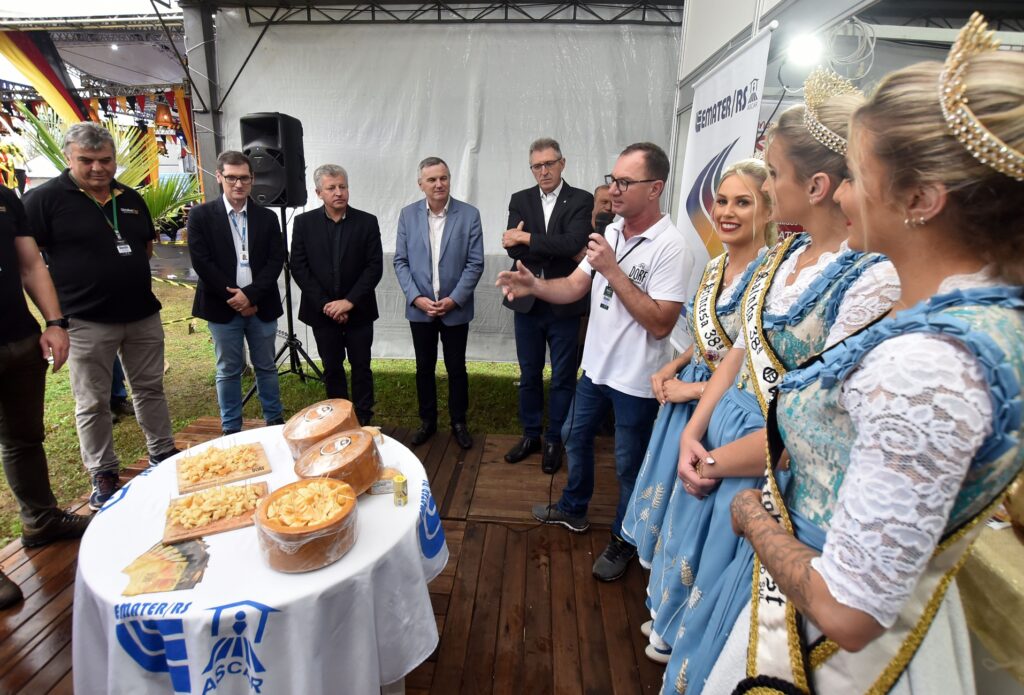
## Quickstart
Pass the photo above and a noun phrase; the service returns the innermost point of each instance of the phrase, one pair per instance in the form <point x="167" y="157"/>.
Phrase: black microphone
<point x="601" y="223"/>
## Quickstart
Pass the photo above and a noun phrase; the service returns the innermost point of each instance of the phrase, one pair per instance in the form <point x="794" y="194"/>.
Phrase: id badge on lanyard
<point x="243" y="236"/>
<point x="606" y="297"/>
<point x="123" y="248"/>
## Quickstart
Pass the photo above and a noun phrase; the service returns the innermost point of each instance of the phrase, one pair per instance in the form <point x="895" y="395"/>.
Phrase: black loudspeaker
<point x="273" y="143"/>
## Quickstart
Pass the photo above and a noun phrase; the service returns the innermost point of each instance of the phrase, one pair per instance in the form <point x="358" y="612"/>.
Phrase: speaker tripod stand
<point x="292" y="346"/>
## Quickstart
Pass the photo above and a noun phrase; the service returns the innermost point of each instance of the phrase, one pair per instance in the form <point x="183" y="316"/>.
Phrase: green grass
<point x="189" y="385"/>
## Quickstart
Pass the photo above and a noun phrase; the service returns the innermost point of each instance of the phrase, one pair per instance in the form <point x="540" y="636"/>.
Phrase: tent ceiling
<point x="269" y="12"/>
<point x="142" y="57"/>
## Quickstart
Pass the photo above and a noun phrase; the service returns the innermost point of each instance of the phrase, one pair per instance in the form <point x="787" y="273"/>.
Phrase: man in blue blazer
<point x="237" y="252"/>
<point x="439" y="257"/>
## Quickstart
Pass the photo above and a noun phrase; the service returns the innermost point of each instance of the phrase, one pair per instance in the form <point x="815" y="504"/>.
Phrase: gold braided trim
<point x="780" y="250"/>
<point x="909" y="647"/>
<point x="716" y="266"/>
<point x="823" y="652"/>
<point x="984" y="145"/>
<point x="755" y="599"/>
<point x="820" y="86"/>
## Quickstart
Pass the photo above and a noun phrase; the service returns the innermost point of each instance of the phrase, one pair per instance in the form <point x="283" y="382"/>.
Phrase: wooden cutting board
<point x="261" y="467"/>
<point x="176" y="533"/>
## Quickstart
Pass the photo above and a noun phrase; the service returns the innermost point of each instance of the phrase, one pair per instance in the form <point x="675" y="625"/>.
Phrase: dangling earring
<point x="914" y="221"/>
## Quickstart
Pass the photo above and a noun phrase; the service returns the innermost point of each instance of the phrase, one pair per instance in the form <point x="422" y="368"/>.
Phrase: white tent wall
<point x="377" y="99"/>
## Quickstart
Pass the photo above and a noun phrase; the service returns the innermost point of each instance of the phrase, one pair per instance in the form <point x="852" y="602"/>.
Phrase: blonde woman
<point x="901" y="438"/>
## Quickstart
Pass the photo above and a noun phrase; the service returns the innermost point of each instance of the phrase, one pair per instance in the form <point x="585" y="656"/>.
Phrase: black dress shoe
<point x="523" y="448"/>
<point x="552" y="460"/>
<point x="462" y="436"/>
<point x="425" y="432"/>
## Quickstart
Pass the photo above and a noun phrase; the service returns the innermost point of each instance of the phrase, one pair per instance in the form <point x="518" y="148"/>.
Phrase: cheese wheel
<point x="320" y="420"/>
<point x="298" y="548"/>
<point x="350" y="456"/>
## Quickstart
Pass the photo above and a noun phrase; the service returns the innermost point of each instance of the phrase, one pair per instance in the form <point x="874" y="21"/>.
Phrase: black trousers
<point x="453" y="342"/>
<point x="333" y="342"/>
<point x="22" y="382"/>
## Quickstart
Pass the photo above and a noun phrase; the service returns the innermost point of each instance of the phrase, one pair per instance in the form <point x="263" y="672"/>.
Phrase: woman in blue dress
<point x="902" y="438"/>
<point x="808" y="292"/>
<point x="740" y="215"/>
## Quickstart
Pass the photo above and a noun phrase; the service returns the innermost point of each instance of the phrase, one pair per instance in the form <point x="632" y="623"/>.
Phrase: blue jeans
<point x="535" y="331"/>
<point x="634" y="419"/>
<point x="227" y="345"/>
<point x="117" y="390"/>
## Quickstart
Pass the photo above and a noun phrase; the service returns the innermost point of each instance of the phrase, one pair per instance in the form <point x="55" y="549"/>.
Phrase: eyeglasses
<point x="232" y="180"/>
<point x="624" y="184"/>
<point x="545" y="165"/>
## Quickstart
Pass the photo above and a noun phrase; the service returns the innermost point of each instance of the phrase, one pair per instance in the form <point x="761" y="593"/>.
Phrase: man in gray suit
<point x="439" y="257"/>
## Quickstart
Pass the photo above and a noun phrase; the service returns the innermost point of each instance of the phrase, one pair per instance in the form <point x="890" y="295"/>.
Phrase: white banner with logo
<point x="723" y="129"/>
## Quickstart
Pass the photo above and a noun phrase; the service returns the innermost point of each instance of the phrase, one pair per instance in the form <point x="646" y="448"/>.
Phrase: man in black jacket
<point x="237" y="252"/>
<point x="548" y="225"/>
<point x="337" y="261"/>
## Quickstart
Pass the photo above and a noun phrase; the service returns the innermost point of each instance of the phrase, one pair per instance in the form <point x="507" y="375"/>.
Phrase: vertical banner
<point x="723" y="129"/>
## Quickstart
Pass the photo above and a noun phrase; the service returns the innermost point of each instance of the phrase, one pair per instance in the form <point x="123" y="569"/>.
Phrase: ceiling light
<point x="806" y="49"/>
<point x="113" y="46"/>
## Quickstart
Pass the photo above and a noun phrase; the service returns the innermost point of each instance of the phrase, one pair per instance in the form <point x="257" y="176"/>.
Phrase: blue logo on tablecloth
<point x="156" y="644"/>
<point x="429" y="527"/>
<point x="233" y="653"/>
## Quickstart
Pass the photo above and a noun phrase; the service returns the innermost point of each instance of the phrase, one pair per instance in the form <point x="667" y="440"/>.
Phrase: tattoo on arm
<point x="788" y="560"/>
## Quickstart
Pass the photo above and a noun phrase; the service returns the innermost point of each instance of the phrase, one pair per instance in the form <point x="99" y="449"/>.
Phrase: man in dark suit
<point x="237" y="252"/>
<point x="439" y="257"/>
<point x="337" y="261"/>
<point x="548" y="225"/>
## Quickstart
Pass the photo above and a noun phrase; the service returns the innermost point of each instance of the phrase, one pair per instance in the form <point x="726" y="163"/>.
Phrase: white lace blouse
<point x="921" y="409"/>
<point x="869" y="297"/>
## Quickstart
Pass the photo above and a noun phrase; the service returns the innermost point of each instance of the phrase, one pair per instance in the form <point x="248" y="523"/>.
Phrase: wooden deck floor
<point x="516" y="607"/>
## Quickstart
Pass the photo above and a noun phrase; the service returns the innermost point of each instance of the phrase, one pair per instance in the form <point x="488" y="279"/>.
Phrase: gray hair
<point x="325" y="170"/>
<point x="546" y="144"/>
<point x="88" y="136"/>
<point x="432" y="162"/>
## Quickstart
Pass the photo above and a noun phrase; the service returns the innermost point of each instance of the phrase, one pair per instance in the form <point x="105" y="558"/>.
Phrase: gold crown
<point x="982" y="143"/>
<point x="820" y="86"/>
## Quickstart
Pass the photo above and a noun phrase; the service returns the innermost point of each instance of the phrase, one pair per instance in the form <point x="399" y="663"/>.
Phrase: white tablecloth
<point x="350" y="627"/>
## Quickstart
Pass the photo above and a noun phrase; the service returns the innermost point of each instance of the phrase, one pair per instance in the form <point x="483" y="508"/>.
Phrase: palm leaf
<point x="136" y="153"/>
<point x="45" y="133"/>
<point x="167" y="196"/>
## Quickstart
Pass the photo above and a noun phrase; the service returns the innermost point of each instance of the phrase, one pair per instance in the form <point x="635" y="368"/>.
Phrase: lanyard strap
<point x="113" y="204"/>
<point x="618" y="261"/>
<point x="243" y="231"/>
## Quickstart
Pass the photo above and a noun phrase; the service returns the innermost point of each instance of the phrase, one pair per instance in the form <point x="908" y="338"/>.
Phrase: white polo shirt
<point x="619" y="352"/>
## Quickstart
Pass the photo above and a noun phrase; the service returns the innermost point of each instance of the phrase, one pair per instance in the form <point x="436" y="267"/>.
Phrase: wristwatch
<point x="61" y="322"/>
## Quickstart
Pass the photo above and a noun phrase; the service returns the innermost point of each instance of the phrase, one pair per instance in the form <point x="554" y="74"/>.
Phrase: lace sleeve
<point x="921" y="409"/>
<point x="870" y="296"/>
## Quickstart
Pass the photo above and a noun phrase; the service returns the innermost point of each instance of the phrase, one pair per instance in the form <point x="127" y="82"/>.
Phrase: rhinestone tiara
<point x="982" y="143"/>
<point x="820" y="86"/>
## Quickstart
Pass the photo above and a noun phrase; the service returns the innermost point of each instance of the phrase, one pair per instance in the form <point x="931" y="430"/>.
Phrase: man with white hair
<point x="97" y="235"/>
<point x="337" y="261"/>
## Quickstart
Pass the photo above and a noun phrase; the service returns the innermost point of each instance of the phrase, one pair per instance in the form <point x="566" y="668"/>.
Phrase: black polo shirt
<point x="93" y="280"/>
<point x="15" y="320"/>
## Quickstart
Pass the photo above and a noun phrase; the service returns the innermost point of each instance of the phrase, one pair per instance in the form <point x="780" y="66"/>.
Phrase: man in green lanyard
<point x="98" y="236"/>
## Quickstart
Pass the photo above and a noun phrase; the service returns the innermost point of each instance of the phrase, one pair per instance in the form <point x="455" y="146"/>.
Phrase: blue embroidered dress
<point x="688" y="574"/>
<point x="642" y="522"/>
<point x="898" y="437"/>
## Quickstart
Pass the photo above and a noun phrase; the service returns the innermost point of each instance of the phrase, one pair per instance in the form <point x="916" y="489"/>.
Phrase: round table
<point x="351" y="627"/>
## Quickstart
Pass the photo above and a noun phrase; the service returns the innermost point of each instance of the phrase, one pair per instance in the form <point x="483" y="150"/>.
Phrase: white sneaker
<point x="646" y="628"/>
<point x="656" y="655"/>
